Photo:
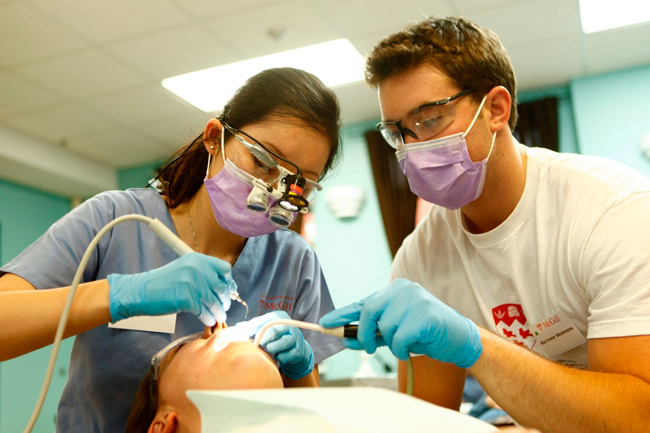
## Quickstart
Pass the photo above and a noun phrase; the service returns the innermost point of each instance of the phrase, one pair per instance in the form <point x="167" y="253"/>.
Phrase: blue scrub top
<point x="279" y="271"/>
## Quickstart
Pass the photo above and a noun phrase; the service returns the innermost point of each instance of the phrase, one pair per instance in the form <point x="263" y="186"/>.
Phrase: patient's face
<point x="206" y="363"/>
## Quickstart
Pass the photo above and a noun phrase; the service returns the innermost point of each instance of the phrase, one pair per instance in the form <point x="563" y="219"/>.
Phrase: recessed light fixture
<point x="336" y="63"/>
<point x="599" y="15"/>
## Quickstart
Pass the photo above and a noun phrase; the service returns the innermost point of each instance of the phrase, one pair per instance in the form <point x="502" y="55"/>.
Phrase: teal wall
<point x="612" y="113"/>
<point x="138" y="176"/>
<point x="25" y="214"/>
<point x="354" y="253"/>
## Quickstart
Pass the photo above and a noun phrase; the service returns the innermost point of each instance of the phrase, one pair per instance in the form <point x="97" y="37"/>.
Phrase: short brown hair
<point x="471" y="56"/>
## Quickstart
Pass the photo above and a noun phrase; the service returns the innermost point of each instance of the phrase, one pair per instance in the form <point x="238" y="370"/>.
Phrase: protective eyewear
<point x="422" y="123"/>
<point x="292" y="191"/>
<point x="158" y="358"/>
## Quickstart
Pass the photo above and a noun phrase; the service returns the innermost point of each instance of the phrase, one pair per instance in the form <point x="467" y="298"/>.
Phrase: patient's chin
<point x="253" y="371"/>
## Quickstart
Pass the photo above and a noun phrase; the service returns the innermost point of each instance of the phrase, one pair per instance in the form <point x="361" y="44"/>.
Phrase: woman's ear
<point x="212" y="135"/>
<point x="499" y="104"/>
<point x="164" y="423"/>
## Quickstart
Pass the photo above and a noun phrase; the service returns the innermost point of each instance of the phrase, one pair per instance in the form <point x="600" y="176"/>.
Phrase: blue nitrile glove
<point x="285" y="343"/>
<point x="194" y="283"/>
<point x="410" y="320"/>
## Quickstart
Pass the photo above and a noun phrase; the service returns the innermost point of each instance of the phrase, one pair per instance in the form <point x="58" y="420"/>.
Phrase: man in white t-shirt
<point x="548" y="251"/>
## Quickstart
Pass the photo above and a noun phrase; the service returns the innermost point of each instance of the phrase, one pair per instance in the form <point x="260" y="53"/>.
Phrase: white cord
<point x="161" y="231"/>
<point x="296" y="323"/>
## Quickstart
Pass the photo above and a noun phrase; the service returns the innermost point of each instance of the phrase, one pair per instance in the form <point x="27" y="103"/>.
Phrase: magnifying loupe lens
<point x="280" y="217"/>
<point x="258" y="201"/>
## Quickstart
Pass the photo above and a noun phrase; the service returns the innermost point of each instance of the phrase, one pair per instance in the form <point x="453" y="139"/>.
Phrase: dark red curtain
<point x="538" y="124"/>
<point x="396" y="201"/>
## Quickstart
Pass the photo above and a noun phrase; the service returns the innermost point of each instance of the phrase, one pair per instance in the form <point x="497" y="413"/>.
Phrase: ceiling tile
<point x="101" y="21"/>
<point x="546" y="65"/>
<point x="18" y="96"/>
<point x="617" y="49"/>
<point x="210" y="8"/>
<point x="526" y="22"/>
<point x="423" y="8"/>
<point x="174" y="52"/>
<point x="81" y="75"/>
<point x="174" y="132"/>
<point x="147" y="105"/>
<point x="379" y="14"/>
<point x="365" y="44"/>
<point x="117" y="148"/>
<point x="28" y="35"/>
<point x="358" y="102"/>
<point x="465" y="6"/>
<point x="247" y="33"/>
<point x="60" y="123"/>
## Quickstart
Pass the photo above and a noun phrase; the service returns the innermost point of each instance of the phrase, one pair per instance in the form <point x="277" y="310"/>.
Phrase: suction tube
<point x="347" y="331"/>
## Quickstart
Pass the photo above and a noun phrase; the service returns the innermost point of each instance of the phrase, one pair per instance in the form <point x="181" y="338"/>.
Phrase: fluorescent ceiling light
<point x="599" y="15"/>
<point x="335" y="63"/>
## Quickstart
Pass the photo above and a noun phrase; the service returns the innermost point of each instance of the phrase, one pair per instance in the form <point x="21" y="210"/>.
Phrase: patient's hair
<point x="143" y="410"/>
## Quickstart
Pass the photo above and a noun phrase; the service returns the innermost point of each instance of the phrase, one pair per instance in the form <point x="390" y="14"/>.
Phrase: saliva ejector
<point x="346" y="331"/>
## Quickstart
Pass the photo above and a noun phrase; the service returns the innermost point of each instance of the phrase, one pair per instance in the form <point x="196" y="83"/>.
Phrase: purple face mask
<point x="228" y="191"/>
<point x="440" y="170"/>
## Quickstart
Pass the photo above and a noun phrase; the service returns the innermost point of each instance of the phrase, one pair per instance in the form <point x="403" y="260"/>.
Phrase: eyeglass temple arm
<point x="231" y="130"/>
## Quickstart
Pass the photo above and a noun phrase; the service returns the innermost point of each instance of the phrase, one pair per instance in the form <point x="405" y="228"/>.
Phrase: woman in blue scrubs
<point x="281" y="126"/>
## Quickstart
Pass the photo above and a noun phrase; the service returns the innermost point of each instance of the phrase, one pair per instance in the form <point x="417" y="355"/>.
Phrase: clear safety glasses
<point x="292" y="191"/>
<point x="159" y="357"/>
<point x="421" y="123"/>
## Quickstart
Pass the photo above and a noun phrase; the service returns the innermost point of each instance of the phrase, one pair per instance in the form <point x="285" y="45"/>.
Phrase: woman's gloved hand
<point x="285" y="343"/>
<point x="194" y="283"/>
<point x="410" y="320"/>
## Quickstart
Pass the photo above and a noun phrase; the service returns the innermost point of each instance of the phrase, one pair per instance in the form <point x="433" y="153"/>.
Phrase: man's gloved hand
<point x="284" y="342"/>
<point x="410" y="320"/>
<point x="194" y="283"/>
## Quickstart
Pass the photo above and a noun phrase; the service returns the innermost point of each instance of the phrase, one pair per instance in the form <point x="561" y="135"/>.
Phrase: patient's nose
<point x="210" y="330"/>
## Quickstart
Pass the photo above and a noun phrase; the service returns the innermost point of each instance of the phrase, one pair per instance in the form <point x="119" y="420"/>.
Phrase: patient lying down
<point x="211" y="361"/>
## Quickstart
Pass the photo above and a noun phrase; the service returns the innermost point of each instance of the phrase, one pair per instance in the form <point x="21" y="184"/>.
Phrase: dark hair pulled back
<point x="282" y="93"/>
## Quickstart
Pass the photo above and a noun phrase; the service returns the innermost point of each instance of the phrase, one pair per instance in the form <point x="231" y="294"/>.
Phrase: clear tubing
<point x="409" y="376"/>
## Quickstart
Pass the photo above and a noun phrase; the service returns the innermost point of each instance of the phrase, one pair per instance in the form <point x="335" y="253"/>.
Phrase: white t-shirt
<point x="577" y="244"/>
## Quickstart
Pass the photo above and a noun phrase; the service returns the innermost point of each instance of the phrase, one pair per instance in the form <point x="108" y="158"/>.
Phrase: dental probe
<point x="181" y="248"/>
<point x="346" y="331"/>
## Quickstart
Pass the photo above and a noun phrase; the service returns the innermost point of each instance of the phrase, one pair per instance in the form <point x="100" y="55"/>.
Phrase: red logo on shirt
<point x="275" y="303"/>
<point x="510" y="320"/>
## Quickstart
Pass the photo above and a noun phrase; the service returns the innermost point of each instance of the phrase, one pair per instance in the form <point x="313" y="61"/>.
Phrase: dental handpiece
<point x="346" y="331"/>
<point x="181" y="248"/>
<point x="235" y="297"/>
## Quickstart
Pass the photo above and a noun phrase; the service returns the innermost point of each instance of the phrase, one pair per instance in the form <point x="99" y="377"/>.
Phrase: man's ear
<point x="164" y="422"/>
<point x="498" y="103"/>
